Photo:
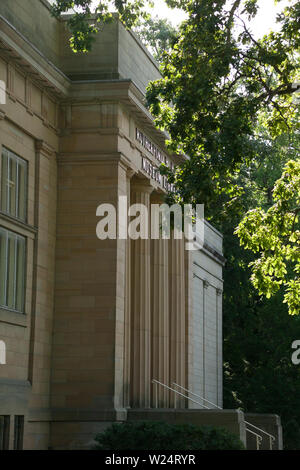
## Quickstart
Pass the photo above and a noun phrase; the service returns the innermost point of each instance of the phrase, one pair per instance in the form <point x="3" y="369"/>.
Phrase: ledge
<point x="13" y="318"/>
<point x="17" y="223"/>
<point x="211" y="252"/>
<point x="90" y="415"/>
<point x="25" y="384"/>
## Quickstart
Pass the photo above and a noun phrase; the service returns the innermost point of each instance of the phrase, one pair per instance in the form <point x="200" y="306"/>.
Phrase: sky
<point x="262" y="24"/>
<point x="266" y="17"/>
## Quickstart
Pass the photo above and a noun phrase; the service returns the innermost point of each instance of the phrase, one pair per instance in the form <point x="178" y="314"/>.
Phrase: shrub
<point x="147" y="435"/>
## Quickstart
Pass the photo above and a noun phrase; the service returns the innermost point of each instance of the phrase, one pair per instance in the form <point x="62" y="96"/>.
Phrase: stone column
<point x="127" y="319"/>
<point x="206" y="296"/>
<point x="177" y="290"/>
<point x="141" y="307"/>
<point x="219" y="348"/>
<point x="188" y="259"/>
<point x="43" y="282"/>
<point x="160" y="318"/>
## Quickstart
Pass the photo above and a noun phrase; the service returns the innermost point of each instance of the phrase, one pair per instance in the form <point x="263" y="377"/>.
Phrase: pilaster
<point x="127" y="316"/>
<point x="141" y="308"/>
<point x="160" y="318"/>
<point x="177" y="287"/>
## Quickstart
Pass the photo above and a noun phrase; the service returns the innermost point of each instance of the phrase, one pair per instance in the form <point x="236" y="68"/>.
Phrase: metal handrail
<point x="271" y="437"/>
<point x="257" y="436"/>
<point x="176" y="392"/>
<point x="198" y="396"/>
<point x="261" y="430"/>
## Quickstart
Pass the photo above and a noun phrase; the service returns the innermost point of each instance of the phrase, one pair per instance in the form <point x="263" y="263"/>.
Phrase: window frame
<point x="19" y="161"/>
<point x="19" y="421"/>
<point x="24" y="284"/>
<point x="5" y="435"/>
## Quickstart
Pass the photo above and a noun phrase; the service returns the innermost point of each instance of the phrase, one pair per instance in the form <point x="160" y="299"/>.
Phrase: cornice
<point x="123" y="91"/>
<point x="18" y="50"/>
<point x="210" y="252"/>
<point x="92" y="158"/>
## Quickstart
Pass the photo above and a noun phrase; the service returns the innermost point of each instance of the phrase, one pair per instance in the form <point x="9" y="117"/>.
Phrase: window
<point x="13" y="185"/>
<point x="19" y="432"/>
<point x="12" y="270"/>
<point x="4" y="432"/>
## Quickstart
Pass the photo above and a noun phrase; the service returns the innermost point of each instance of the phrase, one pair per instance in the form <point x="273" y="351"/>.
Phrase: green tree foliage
<point x="159" y="35"/>
<point x="216" y="81"/>
<point x="275" y="234"/>
<point x="85" y="21"/>
<point x="259" y="375"/>
<point x="147" y="435"/>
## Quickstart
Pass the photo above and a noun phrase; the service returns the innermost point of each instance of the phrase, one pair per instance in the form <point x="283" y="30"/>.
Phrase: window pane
<point x="22" y="184"/>
<point x="12" y="174"/>
<point x="12" y="270"/>
<point x="4" y="182"/>
<point x="13" y="185"/>
<point x="20" y="274"/>
<point x="4" y="432"/>
<point x="3" y="256"/>
<point x="18" y="432"/>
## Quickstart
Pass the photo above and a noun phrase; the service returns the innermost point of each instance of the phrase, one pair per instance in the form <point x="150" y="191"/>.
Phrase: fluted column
<point x="160" y="318"/>
<point x="128" y="320"/>
<point x="177" y="317"/>
<point x="141" y="307"/>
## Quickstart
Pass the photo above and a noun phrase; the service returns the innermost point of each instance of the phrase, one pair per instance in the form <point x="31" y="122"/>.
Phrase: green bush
<point x="147" y="435"/>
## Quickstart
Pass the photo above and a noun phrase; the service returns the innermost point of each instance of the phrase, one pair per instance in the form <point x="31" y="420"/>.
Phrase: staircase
<point x="253" y="436"/>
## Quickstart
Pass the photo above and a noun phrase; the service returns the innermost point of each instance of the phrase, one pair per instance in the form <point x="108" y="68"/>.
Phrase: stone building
<point x="86" y="325"/>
